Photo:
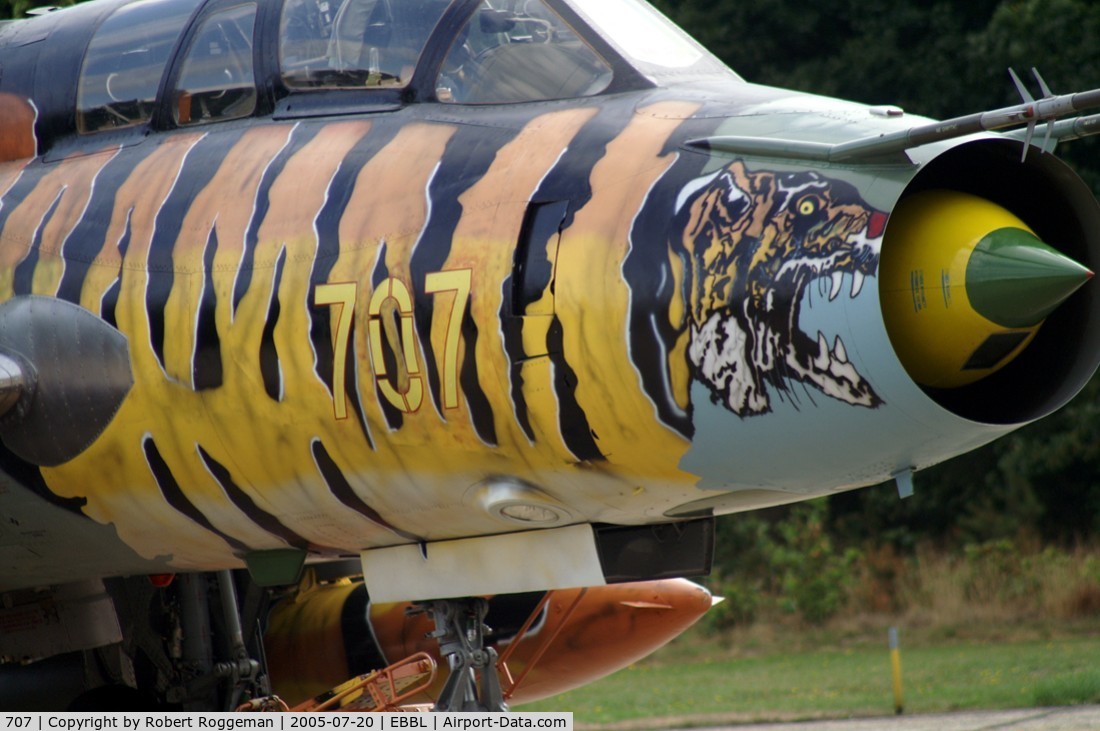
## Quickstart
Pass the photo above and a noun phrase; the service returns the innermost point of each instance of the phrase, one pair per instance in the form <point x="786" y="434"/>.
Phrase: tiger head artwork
<point x="752" y="243"/>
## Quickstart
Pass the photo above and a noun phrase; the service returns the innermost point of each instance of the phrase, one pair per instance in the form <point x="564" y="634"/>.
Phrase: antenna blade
<point x="1027" y="139"/>
<point x="1046" y="139"/>
<point x="1024" y="93"/>
<point x="1047" y="93"/>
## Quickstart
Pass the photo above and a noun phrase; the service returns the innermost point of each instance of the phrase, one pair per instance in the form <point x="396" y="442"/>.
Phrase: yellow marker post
<point x="895" y="664"/>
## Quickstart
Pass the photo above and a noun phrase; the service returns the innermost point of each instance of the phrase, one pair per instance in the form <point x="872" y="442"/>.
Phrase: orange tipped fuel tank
<point x="329" y="633"/>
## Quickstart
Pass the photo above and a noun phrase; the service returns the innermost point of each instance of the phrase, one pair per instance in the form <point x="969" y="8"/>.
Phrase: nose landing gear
<point x="460" y="630"/>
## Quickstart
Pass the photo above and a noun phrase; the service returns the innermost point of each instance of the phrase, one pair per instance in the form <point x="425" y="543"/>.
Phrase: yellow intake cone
<point x="965" y="285"/>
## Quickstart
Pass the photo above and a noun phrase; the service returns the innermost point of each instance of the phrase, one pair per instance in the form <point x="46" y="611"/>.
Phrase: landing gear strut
<point x="460" y="629"/>
<point x="207" y="683"/>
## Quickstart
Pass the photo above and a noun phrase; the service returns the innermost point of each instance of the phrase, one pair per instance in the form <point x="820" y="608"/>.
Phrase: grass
<point x="1082" y="687"/>
<point x="836" y="683"/>
<point x="990" y="627"/>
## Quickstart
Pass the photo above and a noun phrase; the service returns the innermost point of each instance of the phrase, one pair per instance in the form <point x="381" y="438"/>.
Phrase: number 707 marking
<point x="393" y="295"/>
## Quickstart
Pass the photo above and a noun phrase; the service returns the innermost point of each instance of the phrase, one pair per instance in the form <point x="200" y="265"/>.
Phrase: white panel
<point x="66" y="619"/>
<point x="560" y="558"/>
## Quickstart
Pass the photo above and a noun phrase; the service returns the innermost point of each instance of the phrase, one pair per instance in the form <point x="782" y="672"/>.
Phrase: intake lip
<point x="1057" y="206"/>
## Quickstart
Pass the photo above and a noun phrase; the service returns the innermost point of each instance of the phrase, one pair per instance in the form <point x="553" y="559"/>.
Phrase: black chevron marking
<point x="344" y="492"/>
<point x="175" y="496"/>
<point x="206" y="365"/>
<point x="248" y="506"/>
<point x="270" y="369"/>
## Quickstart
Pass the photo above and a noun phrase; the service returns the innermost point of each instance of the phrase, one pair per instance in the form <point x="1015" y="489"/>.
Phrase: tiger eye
<point x="808" y="206"/>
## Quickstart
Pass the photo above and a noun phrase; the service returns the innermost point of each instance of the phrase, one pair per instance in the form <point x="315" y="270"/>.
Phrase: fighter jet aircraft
<point x="495" y="296"/>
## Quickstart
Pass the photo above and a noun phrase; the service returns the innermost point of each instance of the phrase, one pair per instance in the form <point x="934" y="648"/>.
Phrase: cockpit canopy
<point x="498" y="56"/>
<point x="176" y="63"/>
<point x="349" y="44"/>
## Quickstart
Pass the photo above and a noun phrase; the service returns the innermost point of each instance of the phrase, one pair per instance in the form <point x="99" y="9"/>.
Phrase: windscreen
<point x="653" y="43"/>
<point x="124" y="63"/>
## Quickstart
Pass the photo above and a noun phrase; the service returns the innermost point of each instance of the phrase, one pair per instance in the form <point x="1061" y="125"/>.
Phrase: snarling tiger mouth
<point x="753" y="243"/>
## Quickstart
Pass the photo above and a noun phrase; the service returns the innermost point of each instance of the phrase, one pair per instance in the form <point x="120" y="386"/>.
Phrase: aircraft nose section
<point x="966" y="285"/>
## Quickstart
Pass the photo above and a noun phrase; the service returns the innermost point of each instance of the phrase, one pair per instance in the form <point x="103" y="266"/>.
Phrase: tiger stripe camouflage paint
<point x="343" y="332"/>
<point x="255" y="325"/>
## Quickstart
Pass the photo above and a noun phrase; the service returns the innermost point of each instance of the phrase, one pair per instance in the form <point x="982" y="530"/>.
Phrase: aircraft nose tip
<point x="675" y="595"/>
<point x="1016" y="280"/>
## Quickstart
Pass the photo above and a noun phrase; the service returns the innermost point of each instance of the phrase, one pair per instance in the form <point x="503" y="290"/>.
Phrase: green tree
<point x="1058" y="461"/>
<point x="15" y="9"/>
<point x="935" y="58"/>
<point x="781" y="560"/>
<point x="1059" y="37"/>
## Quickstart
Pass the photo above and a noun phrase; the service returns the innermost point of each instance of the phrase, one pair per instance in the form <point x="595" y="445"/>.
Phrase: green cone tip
<point x="1015" y="280"/>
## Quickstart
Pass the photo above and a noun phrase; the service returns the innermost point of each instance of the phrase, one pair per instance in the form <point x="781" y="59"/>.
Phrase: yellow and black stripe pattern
<point x="322" y="349"/>
<point x="338" y="330"/>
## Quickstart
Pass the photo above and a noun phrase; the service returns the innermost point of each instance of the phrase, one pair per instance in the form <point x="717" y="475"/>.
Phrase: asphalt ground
<point x="1072" y="718"/>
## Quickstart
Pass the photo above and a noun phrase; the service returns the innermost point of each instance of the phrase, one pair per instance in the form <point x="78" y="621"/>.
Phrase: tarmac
<point x="1071" y="718"/>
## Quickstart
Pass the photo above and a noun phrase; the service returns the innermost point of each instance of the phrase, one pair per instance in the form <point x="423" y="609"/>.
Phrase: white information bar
<point x="10" y="721"/>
